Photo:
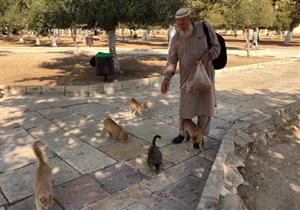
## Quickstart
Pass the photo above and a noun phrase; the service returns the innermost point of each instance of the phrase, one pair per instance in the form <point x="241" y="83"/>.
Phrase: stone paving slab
<point x="62" y="172"/>
<point x="16" y="155"/>
<point x="77" y="124"/>
<point x="11" y="134"/>
<point x="95" y="110"/>
<point x="46" y="133"/>
<point x="3" y="201"/>
<point x="123" y="117"/>
<point x="120" y="199"/>
<point x="117" y="177"/>
<point x="230" y="115"/>
<point x="18" y="184"/>
<point x="29" y="204"/>
<point x="164" y="202"/>
<point x="63" y="102"/>
<point x="178" y="153"/>
<point x="9" y="126"/>
<point x="210" y="153"/>
<point x="124" y="151"/>
<point x="54" y="113"/>
<point x="147" y="129"/>
<point x="194" y="166"/>
<point x="71" y="121"/>
<point x="18" y="117"/>
<point x="39" y="106"/>
<point x="187" y="190"/>
<point x="35" y="122"/>
<point x="83" y="157"/>
<point x="217" y="133"/>
<point x="79" y="193"/>
<point x="97" y="138"/>
<point x="16" y="136"/>
<point x="140" y="164"/>
<point x="136" y="206"/>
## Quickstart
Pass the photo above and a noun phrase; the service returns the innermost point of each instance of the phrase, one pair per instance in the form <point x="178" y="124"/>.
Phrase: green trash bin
<point x="104" y="64"/>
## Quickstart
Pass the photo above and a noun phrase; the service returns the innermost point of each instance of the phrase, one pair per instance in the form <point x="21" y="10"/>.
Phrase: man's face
<point x="183" y="24"/>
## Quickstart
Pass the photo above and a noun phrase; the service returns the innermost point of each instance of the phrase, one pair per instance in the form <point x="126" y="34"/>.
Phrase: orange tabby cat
<point x="115" y="130"/>
<point x="43" y="181"/>
<point x="194" y="132"/>
<point x="137" y="107"/>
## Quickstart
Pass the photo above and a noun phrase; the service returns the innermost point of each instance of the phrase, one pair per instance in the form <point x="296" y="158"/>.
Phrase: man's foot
<point x="177" y="140"/>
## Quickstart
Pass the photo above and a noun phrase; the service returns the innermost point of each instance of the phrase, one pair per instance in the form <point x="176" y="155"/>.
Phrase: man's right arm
<point x="172" y="59"/>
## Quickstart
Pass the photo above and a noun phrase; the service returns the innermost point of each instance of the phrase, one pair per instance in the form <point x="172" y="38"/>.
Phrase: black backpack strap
<point x="206" y="34"/>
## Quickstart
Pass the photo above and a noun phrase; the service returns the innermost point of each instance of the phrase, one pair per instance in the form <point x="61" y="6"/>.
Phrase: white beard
<point x="187" y="33"/>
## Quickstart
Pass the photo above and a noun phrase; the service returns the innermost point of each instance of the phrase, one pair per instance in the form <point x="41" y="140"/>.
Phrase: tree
<point x="45" y="15"/>
<point x="247" y="14"/>
<point x="108" y="14"/>
<point x="37" y="19"/>
<point x="202" y="9"/>
<point x="14" y="18"/>
<point x="283" y="10"/>
<point x="104" y="14"/>
<point x="72" y="17"/>
<point x="3" y="8"/>
<point x="295" y="19"/>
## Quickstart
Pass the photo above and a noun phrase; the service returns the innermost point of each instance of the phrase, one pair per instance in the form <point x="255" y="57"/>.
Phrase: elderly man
<point x="189" y="46"/>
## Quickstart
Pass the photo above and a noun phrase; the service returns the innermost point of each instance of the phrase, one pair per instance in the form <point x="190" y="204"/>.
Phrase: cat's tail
<point x="154" y="139"/>
<point x="38" y="153"/>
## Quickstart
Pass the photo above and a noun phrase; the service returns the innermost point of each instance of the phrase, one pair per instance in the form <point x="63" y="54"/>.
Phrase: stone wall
<point x="220" y="191"/>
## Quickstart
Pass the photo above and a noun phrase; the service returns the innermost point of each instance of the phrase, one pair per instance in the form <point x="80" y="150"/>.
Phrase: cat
<point x="115" y="130"/>
<point x="154" y="159"/>
<point x="137" y="107"/>
<point x="43" y="181"/>
<point x="194" y="132"/>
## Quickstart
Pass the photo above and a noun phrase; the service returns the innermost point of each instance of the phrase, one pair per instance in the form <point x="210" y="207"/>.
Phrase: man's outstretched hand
<point x="165" y="86"/>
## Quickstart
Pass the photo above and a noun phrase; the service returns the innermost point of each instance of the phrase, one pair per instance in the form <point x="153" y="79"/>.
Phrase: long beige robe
<point x="186" y="51"/>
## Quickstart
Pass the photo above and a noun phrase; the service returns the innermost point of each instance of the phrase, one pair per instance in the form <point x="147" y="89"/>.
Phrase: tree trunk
<point x="84" y="37"/>
<point x="246" y="36"/>
<point x="131" y="33"/>
<point x="53" y="38"/>
<point x="21" y="39"/>
<point x="37" y="40"/>
<point x="7" y="32"/>
<point x="280" y="35"/>
<point x="272" y="35"/>
<point x="112" y="49"/>
<point x="74" y="36"/>
<point x="293" y="25"/>
<point x="288" y="37"/>
<point x="122" y="32"/>
<point x="152" y="33"/>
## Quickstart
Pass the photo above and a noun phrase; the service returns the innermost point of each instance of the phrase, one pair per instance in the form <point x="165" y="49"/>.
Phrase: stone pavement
<point x="92" y="171"/>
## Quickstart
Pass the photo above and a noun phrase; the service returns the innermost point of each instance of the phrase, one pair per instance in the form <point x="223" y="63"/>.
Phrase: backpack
<point x="221" y="60"/>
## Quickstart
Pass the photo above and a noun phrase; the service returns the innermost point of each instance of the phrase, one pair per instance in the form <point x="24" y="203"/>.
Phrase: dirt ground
<point x="70" y="69"/>
<point x="273" y="174"/>
<point x="155" y="42"/>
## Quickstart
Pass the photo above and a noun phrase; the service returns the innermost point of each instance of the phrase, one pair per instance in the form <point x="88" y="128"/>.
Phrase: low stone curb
<point x="220" y="190"/>
<point x="254" y="66"/>
<point x="81" y="90"/>
<point x="110" y="88"/>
